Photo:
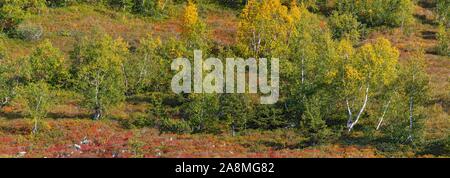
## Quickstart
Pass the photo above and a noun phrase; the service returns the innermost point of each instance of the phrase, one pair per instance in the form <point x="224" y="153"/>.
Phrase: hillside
<point x="132" y="128"/>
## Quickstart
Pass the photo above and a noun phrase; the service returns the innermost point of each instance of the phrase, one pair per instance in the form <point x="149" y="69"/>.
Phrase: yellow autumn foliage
<point x="265" y="27"/>
<point x="190" y="16"/>
<point x="194" y="30"/>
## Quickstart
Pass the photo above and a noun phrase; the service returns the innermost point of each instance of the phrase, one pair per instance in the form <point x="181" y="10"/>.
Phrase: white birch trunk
<point x="382" y="116"/>
<point x="360" y="111"/>
<point x="350" y="116"/>
<point x="411" y="105"/>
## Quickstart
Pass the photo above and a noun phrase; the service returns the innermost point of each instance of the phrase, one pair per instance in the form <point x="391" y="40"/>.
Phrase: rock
<point x="77" y="147"/>
<point x="21" y="154"/>
<point x="85" y="141"/>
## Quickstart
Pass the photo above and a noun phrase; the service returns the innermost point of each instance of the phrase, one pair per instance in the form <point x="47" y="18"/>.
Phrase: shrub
<point x="46" y="63"/>
<point x="138" y="120"/>
<point x="29" y="32"/>
<point x="149" y="8"/>
<point x="237" y="4"/>
<point x="235" y="111"/>
<point x="439" y="147"/>
<point x="173" y="126"/>
<point x="36" y="6"/>
<point x="377" y="13"/>
<point x="3" y="49"/>
<point x="5" y="90"/>
<point x="61" y="3"/>
<point x="123" y="5"/>
<point x="201" y="112"/>
<point x="7" y="74"/>
<point x="344" y="26"/>
<point x="443" y="37"/>
<point x="443" y="11"/>
<point x="13" y="12"/>
<point x="157" y="110"/>
<point x="173" y="48"/>
<point x="312" y="122"/>
<point x="267" y="117"/>
<point x="37" y="101"/>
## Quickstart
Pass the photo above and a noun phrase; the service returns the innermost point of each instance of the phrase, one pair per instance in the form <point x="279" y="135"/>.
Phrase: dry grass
<point x="64" y="26"/>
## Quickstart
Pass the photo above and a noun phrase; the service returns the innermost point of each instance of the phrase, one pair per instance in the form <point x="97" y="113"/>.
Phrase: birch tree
<point x="99" y="74"/>
<point x="304" y="42"/>
<point x="372" y="67"/>
<point x="264" y="27"/>
<point x="5" y="88"/>
<point x="415" y="81"/>
<point x="46" y="63"/>
<point x="194" y="31"/>
<point x="142" y="68"/>
<point x="309" y="67"/>
<point x="37" y="100"/>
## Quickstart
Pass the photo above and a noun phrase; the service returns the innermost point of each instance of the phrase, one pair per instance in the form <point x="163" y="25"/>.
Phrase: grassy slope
<point x="69" y="123"/>
<point x="423" y="35"/>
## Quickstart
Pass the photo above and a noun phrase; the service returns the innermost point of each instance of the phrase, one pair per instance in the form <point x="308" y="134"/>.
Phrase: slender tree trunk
<point x="411" y="109"/>
<point x="97" y="109"/>
<point x="382" y="116"/>
<point x="35" y="118"/>
<point x="97" y="113"/>
<point x="233" y="129"/>
<point x="142" y="72"/>
<point x="303" y="70"/>
<point x="411" y="106"/>
<point x="254" y="41"/>
<point x="258" y="45"/>
<point x="360" y="111"/>
<point x="125" y="79"/>
<point x="35" y="127"/>
<point x="4" y="102"/>
<point x="164" y="5"/>
<point x="350" y="117"/>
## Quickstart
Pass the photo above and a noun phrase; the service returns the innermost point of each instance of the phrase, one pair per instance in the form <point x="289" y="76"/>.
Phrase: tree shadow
<point x="51" y="115"/>
<point x="426" y="4"/>
<point x="437" y="148"/>
<point x="138" y="99"/>
<point x="11" y="115"/>
<point x="18" y="129"/>
<point x="59" y="115"/>
<point x="424" y="20"/>
<point x="429" y="35"/>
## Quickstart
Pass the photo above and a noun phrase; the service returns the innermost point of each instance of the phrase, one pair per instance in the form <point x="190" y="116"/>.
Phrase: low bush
<point x="443" y="37"/>
<point x="29" y="32"/>
<point x="173" y="126"/>
<point x="344" y="26"/>
<point x="138" y="120"/>
<point x="378" y="13"/>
